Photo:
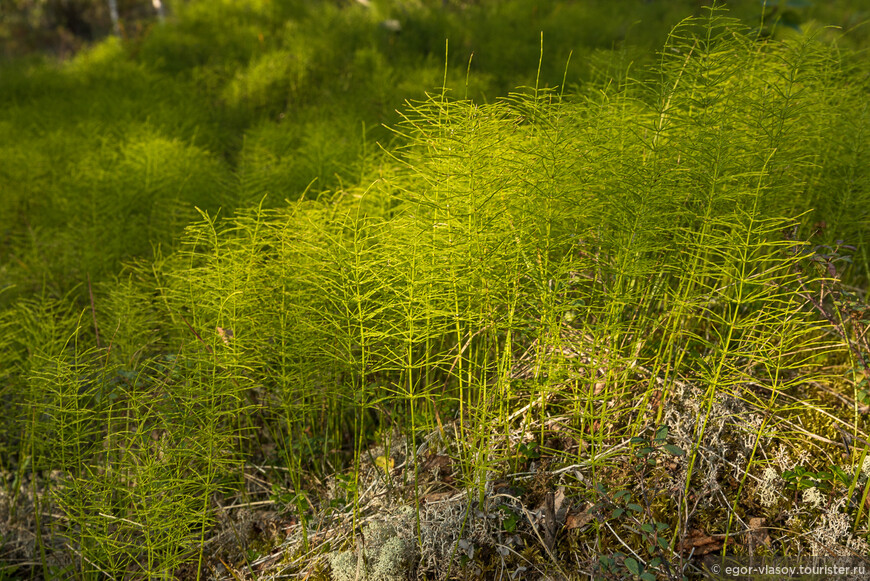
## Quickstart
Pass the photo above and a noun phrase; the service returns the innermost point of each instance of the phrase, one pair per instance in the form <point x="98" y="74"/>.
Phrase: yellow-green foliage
<point x="665" y="219"/>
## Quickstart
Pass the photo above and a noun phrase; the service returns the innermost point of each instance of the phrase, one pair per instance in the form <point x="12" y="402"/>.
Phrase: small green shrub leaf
<point x="510" y="523"/>
<point x="662" y="433"/>
<point x="842" y="476"/>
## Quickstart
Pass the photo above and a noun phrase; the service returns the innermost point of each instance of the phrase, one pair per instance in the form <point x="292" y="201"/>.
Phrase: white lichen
<point x="834" y="537"/>
<point x="381" y="555"/>
<point x="770" y="486"/>
<point x="813" y="497"/>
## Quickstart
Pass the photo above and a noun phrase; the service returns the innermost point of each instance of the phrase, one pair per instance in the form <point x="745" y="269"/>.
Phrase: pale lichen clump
<point x="448" y="532"/>
<point x="813" y="497"/>
<point x="833" y="535"/>
<point x="770" y="486"/>
<point x="450" y="539"/>
<point x="731" y="428"/>
<point x="384" y="554"/>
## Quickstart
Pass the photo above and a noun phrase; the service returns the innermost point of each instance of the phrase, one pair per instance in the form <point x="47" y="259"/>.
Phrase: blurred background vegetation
<point x="117" y="117"/>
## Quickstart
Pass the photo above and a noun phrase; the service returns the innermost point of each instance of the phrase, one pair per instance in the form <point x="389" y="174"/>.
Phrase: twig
<point x="814" y="408"/>
<point x="94" y="311"/>
<point x="535" y="530"/>
<point x="192" y="330"/>
<point x="91" y="563"/>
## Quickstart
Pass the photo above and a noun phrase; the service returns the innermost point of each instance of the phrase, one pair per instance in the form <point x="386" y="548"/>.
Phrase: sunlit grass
<point x="629" y="299"/>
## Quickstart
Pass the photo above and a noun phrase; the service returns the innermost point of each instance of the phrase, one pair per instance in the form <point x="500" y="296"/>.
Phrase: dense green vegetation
<point x="298" y="287"/>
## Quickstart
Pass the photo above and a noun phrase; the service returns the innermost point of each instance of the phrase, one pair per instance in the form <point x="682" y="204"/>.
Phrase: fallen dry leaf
<point x="575" y="520"/>
<point x="560" y="507"/>
<point x="436" y="497"/>
<point x="224" y="334"/>
<point x="757" y="533"/>
<point x="701" y="542"/>
<point x="439" y="461"/>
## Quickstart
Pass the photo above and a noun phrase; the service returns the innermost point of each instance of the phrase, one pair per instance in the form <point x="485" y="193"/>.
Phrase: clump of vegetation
<point x="600" y="331"/>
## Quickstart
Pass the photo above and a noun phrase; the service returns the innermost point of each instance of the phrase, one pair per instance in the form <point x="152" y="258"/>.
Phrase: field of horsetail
<point x="302" y="290"/>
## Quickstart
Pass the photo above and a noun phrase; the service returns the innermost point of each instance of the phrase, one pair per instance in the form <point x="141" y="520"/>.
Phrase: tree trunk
<point x="113" y="13"/>
<point x="158" y="6"/>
